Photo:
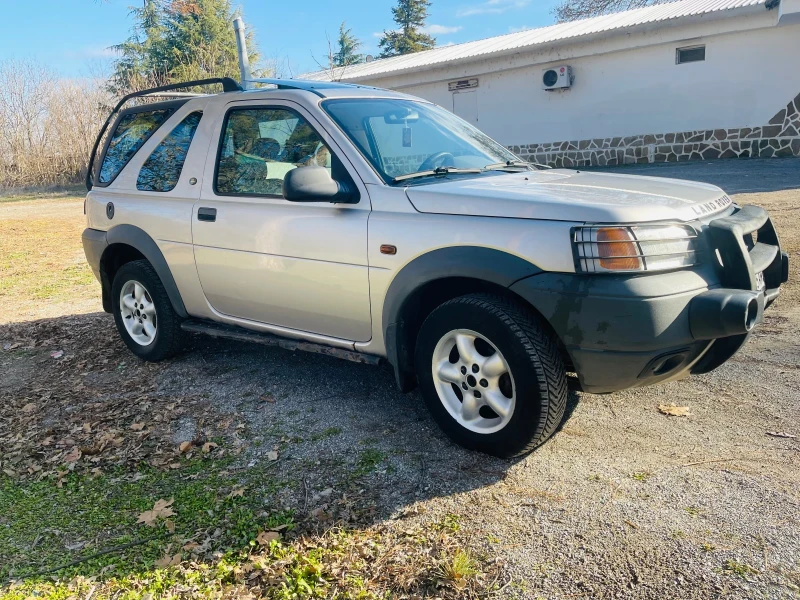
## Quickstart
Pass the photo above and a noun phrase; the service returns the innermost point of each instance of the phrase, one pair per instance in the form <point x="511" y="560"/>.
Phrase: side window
<point x="259" y="146"/>
<point x="162" y="169"/>
<point x="132" y="131"/>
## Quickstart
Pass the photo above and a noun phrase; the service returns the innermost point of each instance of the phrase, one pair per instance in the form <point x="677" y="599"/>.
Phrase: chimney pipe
<point x="241" y="49"/>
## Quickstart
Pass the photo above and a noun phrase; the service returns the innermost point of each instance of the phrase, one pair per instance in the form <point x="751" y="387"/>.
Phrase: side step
<point x="240" y="334"/>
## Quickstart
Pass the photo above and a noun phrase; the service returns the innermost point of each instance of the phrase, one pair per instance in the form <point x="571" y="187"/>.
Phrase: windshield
<point x="402" y="137"/>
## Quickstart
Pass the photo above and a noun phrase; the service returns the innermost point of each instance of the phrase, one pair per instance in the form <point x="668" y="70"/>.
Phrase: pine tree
<point x="347" y="48"/>
<point x="179" y="40"/>
<point x="410" y="16"/>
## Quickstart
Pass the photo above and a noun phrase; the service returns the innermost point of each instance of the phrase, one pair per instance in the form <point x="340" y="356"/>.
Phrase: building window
<point x="687" y="55"/>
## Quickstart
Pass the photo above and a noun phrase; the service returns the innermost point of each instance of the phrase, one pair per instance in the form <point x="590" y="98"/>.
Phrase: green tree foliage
<point x="178" y="40"/>
<point x="410" y="15"/>
<point x="347" y="46"/>
<point x="573" y="10"/>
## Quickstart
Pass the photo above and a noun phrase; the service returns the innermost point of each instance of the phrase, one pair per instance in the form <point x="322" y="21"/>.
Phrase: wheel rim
<point x="138" y="313"/>
<point x="474" y="381"/>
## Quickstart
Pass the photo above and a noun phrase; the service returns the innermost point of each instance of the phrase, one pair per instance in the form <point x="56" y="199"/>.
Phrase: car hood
<point x="565" y="195"/>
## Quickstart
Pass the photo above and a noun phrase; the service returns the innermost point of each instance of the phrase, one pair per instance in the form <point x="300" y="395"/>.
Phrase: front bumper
<point x="624" y="331"/>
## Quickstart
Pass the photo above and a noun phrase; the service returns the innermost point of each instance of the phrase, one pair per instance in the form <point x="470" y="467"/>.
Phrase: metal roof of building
<point x="523" y="40"/>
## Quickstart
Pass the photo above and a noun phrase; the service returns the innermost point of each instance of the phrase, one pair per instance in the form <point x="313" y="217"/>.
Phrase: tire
<point x="533" y="391"/>
<point x="164" y="339"/>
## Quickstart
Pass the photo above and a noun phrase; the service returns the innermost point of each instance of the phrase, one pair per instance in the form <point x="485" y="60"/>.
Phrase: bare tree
<point x="47" y="125"/>
<point x="573" y="10"/>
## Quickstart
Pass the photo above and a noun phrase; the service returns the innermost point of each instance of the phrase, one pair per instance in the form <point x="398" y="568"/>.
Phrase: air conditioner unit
<point x="557" y="78"/>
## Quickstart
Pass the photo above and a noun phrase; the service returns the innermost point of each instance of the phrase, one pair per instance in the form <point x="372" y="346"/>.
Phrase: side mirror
<point x="314" y="184"/>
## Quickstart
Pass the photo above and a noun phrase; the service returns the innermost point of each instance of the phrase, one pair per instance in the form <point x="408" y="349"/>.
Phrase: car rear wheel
<point x="143" y="312"/>
<point x="491" y="375"/>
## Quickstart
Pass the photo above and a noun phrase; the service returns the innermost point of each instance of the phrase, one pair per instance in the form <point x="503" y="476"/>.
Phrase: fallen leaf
<point x="320" y="515"/>
<point x="137" y="426"/>
<point x="191" y="546"/>
<point x="161" y="509"/>
<point x="267" y="397"/>
<point x="237" y="492"/>
<point x="208" y="447"/>
<point x="781" y="434"/>
<point x="185" y="447"/>
<point x="170" y="525"/>
<point x="266" y="537"/>
<point x="168" y="561"/>
<point x="73" y="456"/>
<point x="75" y="546"/>
<point x="29" y="408"/>
<point x="11" y="346"/>
<point x="57" y="354"/>
<point x="9" y="472"/>
<point x="674" y="411"/>
<point x="272" y="455"/>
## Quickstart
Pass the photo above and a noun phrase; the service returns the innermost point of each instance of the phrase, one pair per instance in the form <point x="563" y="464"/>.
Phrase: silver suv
<point x="374" y="225"/>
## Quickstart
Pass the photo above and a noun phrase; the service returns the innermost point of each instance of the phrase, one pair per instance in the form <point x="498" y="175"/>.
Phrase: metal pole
<point x="241" y="49"/>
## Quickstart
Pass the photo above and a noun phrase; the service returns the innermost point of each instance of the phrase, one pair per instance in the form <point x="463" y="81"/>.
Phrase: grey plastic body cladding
<point x="622" y="331"/>
<point x="97" y="243"/>
<point x="492" y="267"/>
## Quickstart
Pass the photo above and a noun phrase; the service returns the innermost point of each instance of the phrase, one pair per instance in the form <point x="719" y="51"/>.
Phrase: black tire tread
<point x="543" y="356"/>
<point x="170" y="335"/>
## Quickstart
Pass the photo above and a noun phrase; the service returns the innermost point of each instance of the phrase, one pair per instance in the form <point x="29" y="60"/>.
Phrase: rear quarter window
<point x="133" y="130"/>
<point x="161" y="171"/>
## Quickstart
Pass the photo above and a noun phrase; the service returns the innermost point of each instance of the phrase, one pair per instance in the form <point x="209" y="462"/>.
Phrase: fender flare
<point x="469" y="262"/>
<point x="137" y="238"/>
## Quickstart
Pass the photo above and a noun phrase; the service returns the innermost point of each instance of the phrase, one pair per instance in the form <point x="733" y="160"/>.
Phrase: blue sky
<point x="73" y="36"/>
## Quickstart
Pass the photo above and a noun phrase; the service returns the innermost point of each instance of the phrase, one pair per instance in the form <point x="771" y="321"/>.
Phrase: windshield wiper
<point x="513" y="164"/>
<point x="438" y="171"/>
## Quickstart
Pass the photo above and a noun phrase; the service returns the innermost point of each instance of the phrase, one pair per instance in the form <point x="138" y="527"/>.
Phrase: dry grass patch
<point x="42" y="265"/>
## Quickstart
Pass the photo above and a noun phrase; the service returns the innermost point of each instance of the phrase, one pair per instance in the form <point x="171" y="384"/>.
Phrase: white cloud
<point x="441" y="29"/>
<point x="491" y="7"/>
<point x="513" y="29"/>
<point x="91" y="52"/>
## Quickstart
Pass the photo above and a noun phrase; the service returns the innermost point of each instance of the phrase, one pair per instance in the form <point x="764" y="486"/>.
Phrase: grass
<point x="28" y="194"/>
<point x="368" y="460"/>
<point x="41" y="256"/>
<point x="740" y="569"/>
<point x="46" y="526"/>
<point x="459" y="567"/>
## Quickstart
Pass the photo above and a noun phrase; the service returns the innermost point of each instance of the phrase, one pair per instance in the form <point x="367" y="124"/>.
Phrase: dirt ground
<point x="623" y="502"/>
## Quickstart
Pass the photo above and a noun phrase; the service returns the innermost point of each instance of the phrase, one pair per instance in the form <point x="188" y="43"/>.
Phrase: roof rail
<point x="228" y="85"/>
<point x="307" y="85"/>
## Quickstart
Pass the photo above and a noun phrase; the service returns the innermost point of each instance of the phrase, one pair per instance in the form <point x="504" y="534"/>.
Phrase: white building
<point x="686" y="80"/>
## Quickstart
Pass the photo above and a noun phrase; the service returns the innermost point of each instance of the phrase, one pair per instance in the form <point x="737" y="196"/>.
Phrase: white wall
<point x="747" y="77"/>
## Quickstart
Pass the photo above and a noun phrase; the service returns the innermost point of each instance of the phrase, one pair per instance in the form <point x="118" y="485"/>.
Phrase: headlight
<point x="616" y="248"/>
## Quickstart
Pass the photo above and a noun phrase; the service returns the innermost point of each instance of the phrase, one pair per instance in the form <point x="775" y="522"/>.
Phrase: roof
<point x="621" y="22"/>
<point x="322" y="88"/>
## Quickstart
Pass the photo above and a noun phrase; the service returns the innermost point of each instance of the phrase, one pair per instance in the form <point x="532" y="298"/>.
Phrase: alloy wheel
<point x="473" y="381"/>
<point x="138" y="313"/>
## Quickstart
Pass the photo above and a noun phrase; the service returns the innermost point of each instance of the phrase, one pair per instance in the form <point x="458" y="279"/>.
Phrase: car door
<point x="263" y="259"/>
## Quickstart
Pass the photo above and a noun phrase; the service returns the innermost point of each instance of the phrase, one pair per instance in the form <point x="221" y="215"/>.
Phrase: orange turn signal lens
<point x="617" y="249"/>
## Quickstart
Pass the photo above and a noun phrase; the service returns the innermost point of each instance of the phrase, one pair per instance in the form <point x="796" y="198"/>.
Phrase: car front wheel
<point x="491" y="375"/>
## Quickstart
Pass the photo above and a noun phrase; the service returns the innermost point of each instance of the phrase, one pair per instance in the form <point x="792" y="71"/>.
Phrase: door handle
<point x="206" y="214"/>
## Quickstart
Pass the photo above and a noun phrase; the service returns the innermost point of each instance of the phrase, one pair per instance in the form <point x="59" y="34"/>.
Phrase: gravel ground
<point x="623" y="502"/>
